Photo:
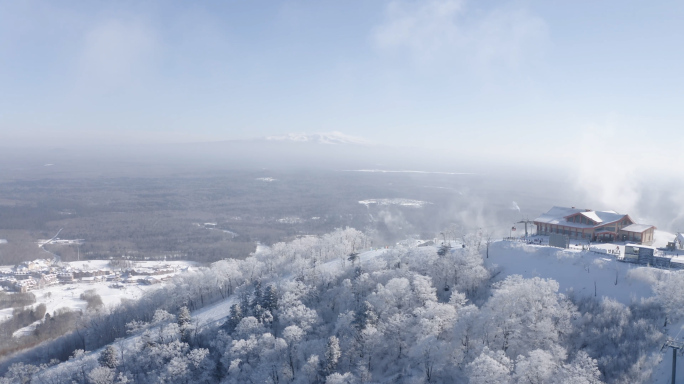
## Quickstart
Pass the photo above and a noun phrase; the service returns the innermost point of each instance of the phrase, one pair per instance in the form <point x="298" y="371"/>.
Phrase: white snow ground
<point x="573" y="269"/>
<point x="68" y="295"/>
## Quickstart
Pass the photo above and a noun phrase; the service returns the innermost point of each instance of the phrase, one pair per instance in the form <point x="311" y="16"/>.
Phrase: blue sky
<point x="541" y="79"/>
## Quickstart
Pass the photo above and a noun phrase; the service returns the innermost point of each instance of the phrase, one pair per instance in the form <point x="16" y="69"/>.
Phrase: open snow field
<point x="582" y="272"/>
<point x="68" y="295"/>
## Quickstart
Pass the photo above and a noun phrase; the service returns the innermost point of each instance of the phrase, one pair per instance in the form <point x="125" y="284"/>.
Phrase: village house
<point x="36" y="265"/>
<point x="21" y="286"/>
<point x="65" y="277"/>
<point x="593" y="225"/>
<point x="150" y="271"/>
<point x="79" y="274"/>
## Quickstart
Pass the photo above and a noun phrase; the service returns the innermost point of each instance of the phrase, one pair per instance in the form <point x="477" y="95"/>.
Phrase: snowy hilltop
<point x="320" y="138"/>
<point x="330" y="309"/>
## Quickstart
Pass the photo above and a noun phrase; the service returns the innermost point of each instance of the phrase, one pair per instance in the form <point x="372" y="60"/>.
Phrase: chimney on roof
<point x="587" y="210"/>
<point x="573" y="207"/>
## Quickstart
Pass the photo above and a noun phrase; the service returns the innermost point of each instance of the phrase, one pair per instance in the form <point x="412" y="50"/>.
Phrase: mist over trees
<point x="136" y="216"/>
<point x="303" y="312"/>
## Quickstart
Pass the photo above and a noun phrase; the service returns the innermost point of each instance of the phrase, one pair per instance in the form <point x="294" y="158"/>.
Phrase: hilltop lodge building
<point x="593" y="225"/>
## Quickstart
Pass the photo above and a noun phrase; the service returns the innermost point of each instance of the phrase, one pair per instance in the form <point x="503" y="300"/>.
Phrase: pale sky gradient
<point x="545" y="80"/>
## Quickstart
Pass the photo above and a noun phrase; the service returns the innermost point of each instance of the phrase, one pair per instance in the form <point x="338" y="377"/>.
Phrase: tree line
<point x="307" y="312"/>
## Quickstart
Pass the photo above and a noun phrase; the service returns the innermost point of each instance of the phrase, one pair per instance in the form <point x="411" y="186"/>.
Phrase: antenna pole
<point x="527" y="221"/>
<point x="674" y="364"/>
<point x="676" y="346"/>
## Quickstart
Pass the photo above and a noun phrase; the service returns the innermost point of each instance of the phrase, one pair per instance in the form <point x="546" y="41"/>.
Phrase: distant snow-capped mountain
<point x="334" y="138"/>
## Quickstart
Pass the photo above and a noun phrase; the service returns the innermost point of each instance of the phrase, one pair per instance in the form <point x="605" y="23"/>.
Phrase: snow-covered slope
<point x="587" y="273"/>
<point x="582" y="272"/>
<point x="384" y="275"/>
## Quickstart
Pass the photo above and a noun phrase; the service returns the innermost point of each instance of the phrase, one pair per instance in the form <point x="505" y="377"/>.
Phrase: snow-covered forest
<point x="328" y="309"/>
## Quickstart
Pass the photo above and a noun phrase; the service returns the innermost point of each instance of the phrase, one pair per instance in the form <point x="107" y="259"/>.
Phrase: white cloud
<point x="115" y="52"/>
<point x="605" y="171"/>
<point x="448" y="31"/>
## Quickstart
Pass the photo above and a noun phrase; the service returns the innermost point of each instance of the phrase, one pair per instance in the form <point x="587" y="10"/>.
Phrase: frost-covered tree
<point x="21" y="373"/>
<point x="619" y="337"/>
<point x="162" y="316"/>
<point x="669" y="293"/>
<point x="257" y="298"/>
<point x="332" y="354"/>
<point x="365" y="316"/>
<point x="270" y="298"/>
<point x="109" y="357"/>
<point x="391" y="321"/>
<point x="184" y="318"/>
<point x="292" y="335"/>
<point x="294" y="312"/>
<point x="582" y="370"/>
<point x="353" y="257"/>
<point x="245" y="303"/>
<point x="310" y="370"/>
<point x="490" y="368"/>
<point x="526" y="314"/>
<point x="537" y="368"/>
<point x="337" y="378"/>
<point x="249" y="325"/>
<point x="101" y="375"/>
<point x="443" y="250"/>
<point x="234" y="318"/>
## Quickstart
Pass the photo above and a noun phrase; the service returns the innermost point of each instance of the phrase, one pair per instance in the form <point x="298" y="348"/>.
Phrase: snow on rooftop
<point x="640" y="246"/>
<point x="592" y="215"/>
<point x="637" y="228"/>
<point x="558" y="215"/>
<point x="400" y="202"/>
<point x="680" y="237"/>
<point x="609" y="216"/>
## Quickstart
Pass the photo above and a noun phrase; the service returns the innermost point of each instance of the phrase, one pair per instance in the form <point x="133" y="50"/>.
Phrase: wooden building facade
<point x="606" y="226"/>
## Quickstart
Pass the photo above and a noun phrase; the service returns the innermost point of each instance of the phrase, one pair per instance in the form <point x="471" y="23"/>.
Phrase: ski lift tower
<point x="526" y="221"/>
<point x="677" y="346"/>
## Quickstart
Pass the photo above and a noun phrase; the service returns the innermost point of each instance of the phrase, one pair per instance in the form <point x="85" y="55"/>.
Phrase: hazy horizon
<point x="525" y="78"/>
<point x="585" y="94"/>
